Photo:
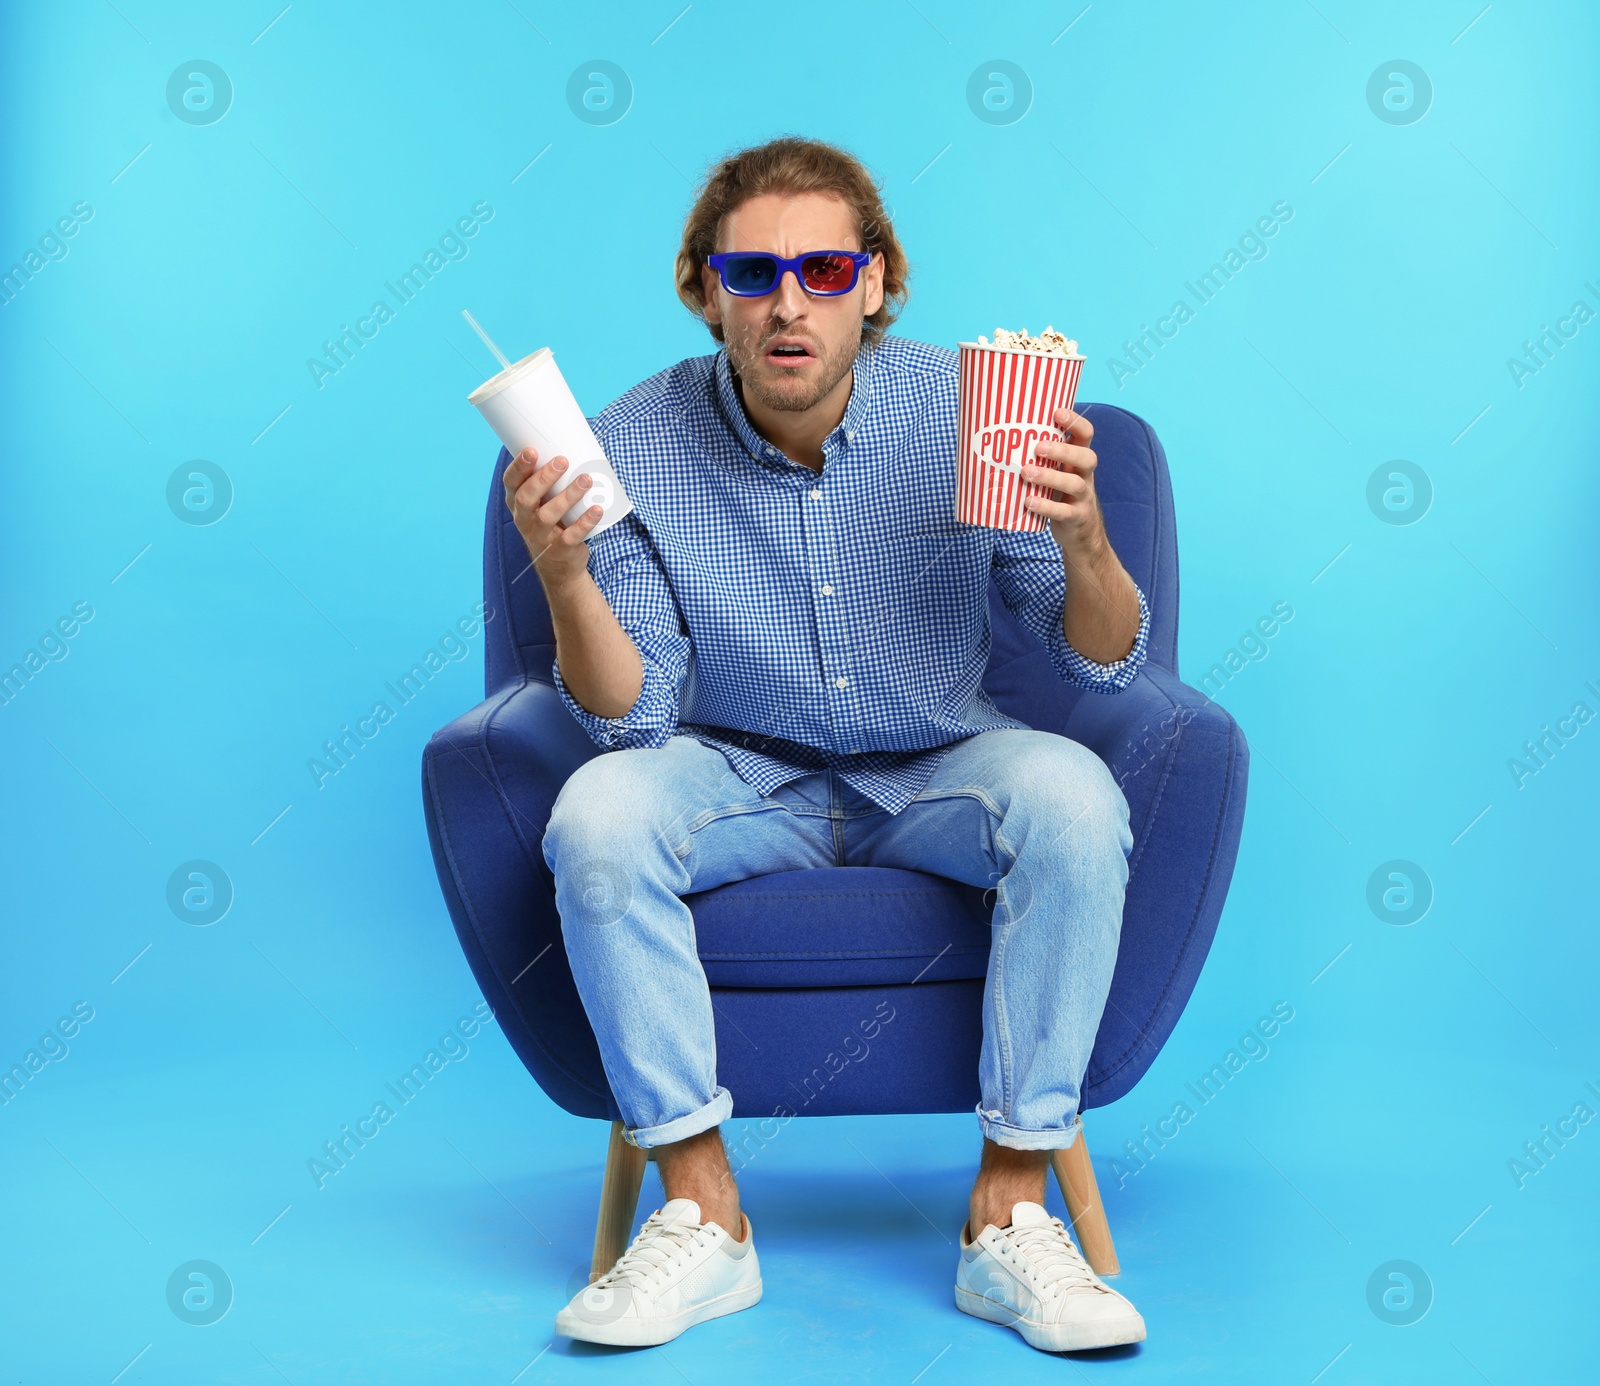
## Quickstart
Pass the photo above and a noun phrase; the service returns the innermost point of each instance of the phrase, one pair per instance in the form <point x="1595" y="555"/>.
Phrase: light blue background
<point x="218" y="259"/>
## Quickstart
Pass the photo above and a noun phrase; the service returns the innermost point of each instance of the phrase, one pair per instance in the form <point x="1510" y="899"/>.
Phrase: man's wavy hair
<point x="793" y="165"/>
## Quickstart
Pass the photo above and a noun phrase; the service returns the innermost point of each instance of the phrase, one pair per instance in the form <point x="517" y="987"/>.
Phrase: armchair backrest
<point x="1135" y="495"/>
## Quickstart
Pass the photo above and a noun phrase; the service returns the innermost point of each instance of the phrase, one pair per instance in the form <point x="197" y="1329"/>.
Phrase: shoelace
<point x="1056" y="1262"/>
<point x="654" y="1250"/>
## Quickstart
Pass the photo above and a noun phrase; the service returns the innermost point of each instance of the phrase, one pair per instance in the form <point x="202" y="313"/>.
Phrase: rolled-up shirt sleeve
<point x="1033" y="585"/>
<point x="626" y="568"/>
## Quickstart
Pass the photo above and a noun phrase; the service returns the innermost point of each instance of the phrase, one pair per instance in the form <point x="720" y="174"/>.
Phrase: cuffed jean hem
<point x="714" y="1113"/>
<point x="1016" y="1138"/>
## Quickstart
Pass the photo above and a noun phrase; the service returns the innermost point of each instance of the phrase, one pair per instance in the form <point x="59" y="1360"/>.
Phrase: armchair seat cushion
<point x="846" y="926"/>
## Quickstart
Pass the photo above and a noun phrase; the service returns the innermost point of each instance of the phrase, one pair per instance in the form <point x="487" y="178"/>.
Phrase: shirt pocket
<point x="962" y="550"/>
<point x="929" y="599"/>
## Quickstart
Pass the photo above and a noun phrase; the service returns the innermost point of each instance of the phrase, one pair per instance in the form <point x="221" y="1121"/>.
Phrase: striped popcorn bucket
<point x="1007" y="401"/>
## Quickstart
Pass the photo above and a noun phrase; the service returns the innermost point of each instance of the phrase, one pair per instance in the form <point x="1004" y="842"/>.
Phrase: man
<point x="782" y="647"/>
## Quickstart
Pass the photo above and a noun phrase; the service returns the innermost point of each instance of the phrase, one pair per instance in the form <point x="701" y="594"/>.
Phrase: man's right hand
<point x="558" y="551"/>
<point x="599" y="662"/>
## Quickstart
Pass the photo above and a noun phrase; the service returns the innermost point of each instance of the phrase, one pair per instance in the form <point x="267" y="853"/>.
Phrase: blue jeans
<point x="1036" y="816"/>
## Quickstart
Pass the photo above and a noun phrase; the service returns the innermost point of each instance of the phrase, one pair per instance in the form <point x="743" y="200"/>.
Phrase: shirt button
<point x="827" y="589"/>
<point x="840" y="681"/>
<point x="816" y="494"/>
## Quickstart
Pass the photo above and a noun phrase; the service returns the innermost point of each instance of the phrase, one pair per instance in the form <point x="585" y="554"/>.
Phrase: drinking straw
<point x="499" y="355"/>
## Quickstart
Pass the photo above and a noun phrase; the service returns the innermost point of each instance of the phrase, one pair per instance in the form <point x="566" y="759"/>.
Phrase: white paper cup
<point x="530" y="406"/>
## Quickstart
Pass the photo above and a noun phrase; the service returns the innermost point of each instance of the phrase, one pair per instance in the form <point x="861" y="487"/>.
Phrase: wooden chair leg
<point x="619" y="1201"/>
<point x="1076" y="1176"/>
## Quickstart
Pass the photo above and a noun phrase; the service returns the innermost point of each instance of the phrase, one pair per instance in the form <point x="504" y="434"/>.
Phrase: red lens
<point x="827" y="274"/>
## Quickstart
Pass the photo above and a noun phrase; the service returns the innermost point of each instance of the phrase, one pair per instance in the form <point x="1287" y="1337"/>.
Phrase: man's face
<point x="827" y="329"/>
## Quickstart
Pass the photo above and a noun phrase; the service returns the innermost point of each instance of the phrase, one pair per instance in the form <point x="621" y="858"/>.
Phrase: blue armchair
<point x="798" y="960"/>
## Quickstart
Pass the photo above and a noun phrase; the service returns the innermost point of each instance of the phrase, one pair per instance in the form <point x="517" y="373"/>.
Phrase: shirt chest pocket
<point x="929" y="586"/>
<point x="954" y="554"/>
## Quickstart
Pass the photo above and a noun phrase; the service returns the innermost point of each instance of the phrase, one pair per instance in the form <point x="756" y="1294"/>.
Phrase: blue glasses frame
<point x="779" y="266"/>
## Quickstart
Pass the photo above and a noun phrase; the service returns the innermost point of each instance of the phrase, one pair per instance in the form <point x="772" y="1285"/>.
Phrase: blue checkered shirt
<point x="800" y="621"/>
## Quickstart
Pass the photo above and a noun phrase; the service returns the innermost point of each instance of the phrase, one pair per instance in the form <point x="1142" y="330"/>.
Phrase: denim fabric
<point x="1033" y="815"/>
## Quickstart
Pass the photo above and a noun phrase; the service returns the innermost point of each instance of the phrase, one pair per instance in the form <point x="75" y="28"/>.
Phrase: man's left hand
<point x="1100" y="616"/>
<point x="1073" y="510"/>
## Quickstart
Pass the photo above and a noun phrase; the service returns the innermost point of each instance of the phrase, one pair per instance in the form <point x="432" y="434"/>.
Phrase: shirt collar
<point x="855" y="413"/>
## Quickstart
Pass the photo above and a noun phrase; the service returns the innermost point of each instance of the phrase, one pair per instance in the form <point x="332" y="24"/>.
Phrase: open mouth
<point x="789" y="355"/>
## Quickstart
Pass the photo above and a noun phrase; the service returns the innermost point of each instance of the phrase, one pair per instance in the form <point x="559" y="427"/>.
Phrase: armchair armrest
<point x="1183" y="765"/>
<point x="489" y="780"/>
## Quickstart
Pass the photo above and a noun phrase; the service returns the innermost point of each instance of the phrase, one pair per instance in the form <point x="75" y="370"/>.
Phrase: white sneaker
<point x="677" y="1272"/>
<point x="1031" y="1277"/>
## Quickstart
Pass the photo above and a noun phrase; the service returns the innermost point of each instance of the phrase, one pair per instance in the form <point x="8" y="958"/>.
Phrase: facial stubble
<point x="746" y="357"/>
